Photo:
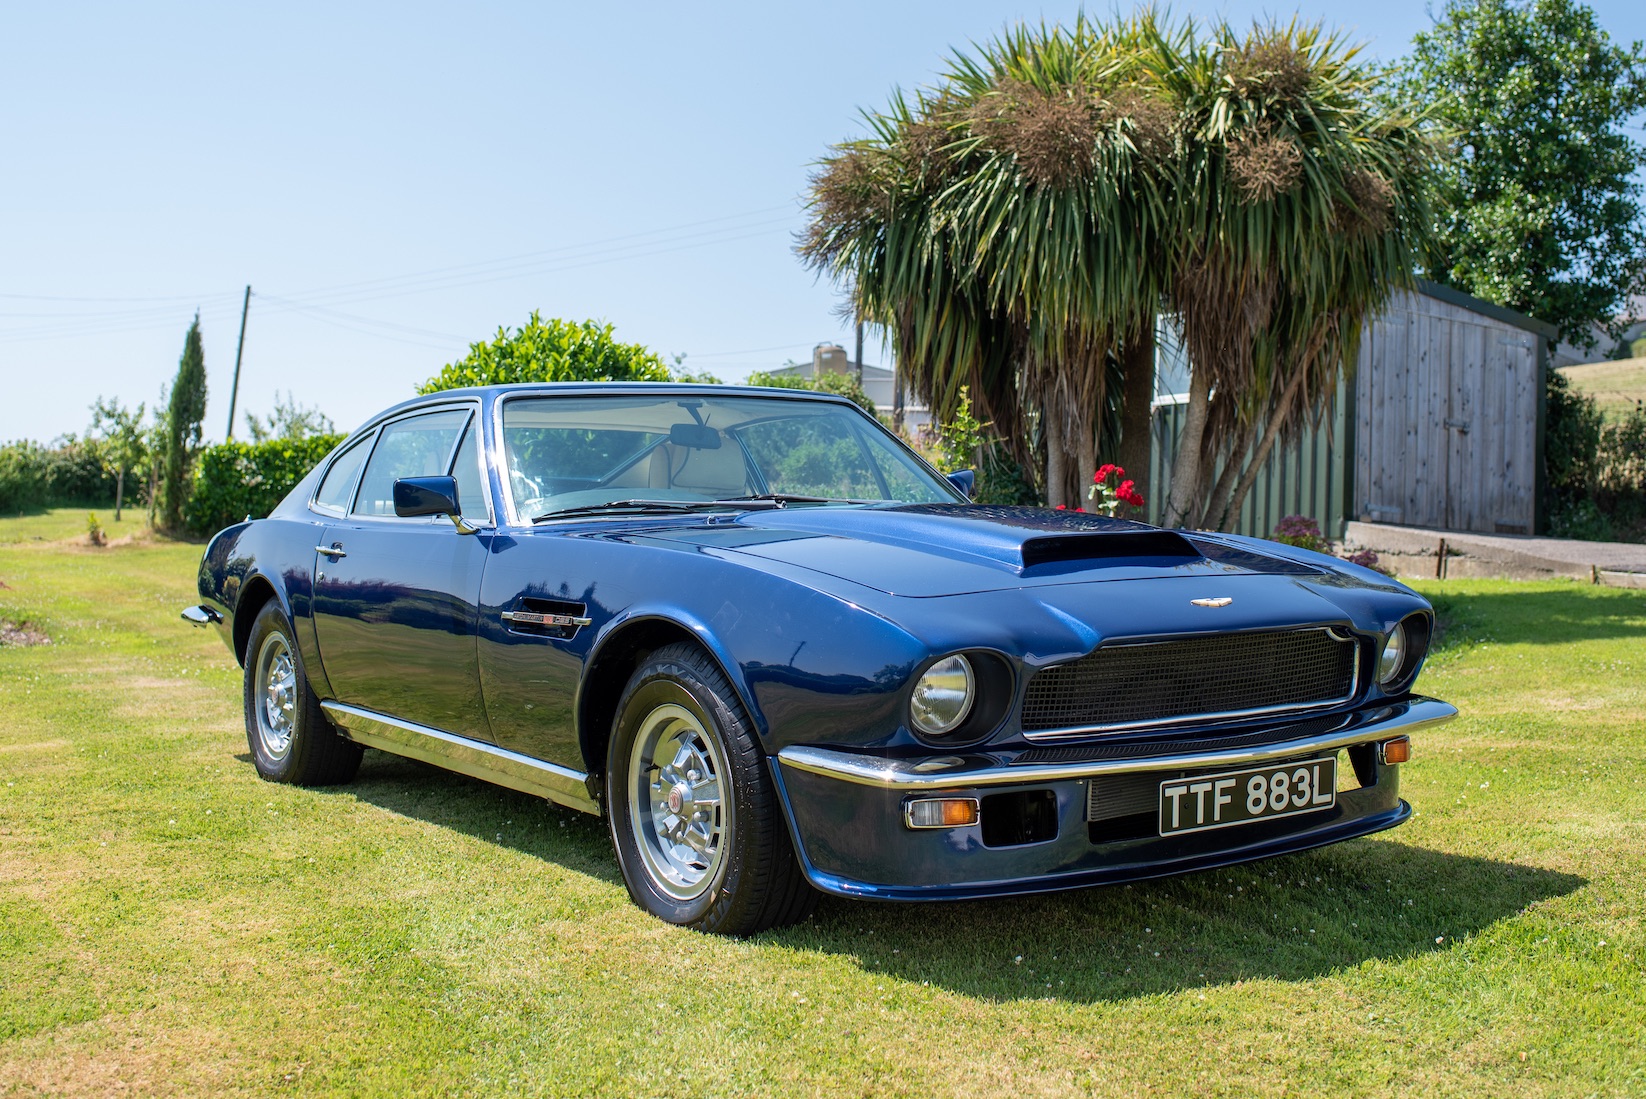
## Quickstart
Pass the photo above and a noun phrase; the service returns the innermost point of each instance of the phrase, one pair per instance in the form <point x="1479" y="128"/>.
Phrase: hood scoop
<point x="1163" y="547"/>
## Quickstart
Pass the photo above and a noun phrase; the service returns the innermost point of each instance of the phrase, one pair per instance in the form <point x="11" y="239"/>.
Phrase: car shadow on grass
<point x="1292" y="918"/>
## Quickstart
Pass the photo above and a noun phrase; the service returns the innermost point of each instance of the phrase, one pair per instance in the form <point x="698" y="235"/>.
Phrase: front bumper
<point x="847" y="811"/>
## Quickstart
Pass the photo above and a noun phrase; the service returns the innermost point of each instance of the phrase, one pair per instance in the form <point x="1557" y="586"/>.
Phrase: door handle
<point x="333" y="551"/>
<point x="1461" y="425"/>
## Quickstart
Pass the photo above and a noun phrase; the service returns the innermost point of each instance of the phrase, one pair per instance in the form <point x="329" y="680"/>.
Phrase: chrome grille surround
<point x="1131" y="685"/>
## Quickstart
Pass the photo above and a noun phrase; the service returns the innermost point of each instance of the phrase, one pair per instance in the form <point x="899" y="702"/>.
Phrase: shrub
<point x="22" y="476"/>
<point x="841" y="385"/>
<point x="76" y="472"/>
<point x="1302" y="532"/>
<point x="233" y="480"/>
<point x="551" y="350"/>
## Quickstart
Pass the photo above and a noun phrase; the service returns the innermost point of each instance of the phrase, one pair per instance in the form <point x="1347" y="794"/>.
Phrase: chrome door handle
<point x="334" y="552"/>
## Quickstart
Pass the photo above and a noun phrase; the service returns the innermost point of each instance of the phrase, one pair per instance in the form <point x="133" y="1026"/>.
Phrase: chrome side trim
<point x="474" y="758"/>
<point x="956" y="773"/>
<point x="1073" y="731"/>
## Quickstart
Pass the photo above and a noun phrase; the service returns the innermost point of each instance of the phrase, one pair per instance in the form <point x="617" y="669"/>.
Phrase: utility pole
<point x="859" y="359"/>
<point x="234" y="390"/>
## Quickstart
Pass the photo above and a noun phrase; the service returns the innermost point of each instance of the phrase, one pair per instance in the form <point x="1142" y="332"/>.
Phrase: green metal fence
<point x="1311" y="477"/>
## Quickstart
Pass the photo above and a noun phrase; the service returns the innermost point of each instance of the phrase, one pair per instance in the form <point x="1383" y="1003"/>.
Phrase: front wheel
<point x="695" y="820"/>
<point x="287" y="731"/>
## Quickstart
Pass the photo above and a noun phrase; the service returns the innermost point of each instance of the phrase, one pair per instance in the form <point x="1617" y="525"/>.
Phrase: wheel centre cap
<point x="679" y="796"/>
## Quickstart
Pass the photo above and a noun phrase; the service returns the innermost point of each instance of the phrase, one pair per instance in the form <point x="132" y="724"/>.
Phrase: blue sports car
<point x="781" y="654"/>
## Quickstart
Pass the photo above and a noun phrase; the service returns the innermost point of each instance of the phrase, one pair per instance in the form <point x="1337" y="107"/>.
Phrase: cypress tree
<point x="184" y="416"/>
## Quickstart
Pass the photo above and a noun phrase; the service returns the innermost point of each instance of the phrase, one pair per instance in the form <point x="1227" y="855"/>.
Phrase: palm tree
<point x="1307" y="213"/>
<point x="1001" y="228"/>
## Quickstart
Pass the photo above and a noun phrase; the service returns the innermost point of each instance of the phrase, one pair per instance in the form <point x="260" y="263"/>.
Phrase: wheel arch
<point x="257" y="591"/>
<point x="621" y="649"/>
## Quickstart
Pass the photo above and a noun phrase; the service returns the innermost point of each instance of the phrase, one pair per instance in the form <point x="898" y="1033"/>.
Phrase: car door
<point x="395" y="599"/>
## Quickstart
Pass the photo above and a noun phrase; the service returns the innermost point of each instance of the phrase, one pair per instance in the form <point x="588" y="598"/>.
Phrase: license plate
<point x="1202" y="802"/>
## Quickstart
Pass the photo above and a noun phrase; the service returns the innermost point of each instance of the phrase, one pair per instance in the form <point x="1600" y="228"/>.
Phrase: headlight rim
<point x="1398" y="640"/>
<point x="948" y="731"/>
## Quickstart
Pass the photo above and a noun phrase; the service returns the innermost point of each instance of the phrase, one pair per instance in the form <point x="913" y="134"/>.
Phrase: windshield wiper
<point x="782" y="498"/>
<point x="667" y="507"/>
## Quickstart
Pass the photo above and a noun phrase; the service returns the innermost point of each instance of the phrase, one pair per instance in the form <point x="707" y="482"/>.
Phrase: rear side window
<point x="339" y="483"/>
<point x="419" y="446"/>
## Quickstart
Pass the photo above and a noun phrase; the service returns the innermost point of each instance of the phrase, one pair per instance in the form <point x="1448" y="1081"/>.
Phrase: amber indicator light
<point x="1398" y="750"/>
<point x="941" y="812"/>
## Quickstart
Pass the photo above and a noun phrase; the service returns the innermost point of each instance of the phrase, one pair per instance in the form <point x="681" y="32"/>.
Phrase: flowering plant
<point x="1108" y="498"/>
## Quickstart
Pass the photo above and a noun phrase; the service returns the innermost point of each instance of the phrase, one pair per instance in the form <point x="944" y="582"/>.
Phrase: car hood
<point x="927" y="551"/>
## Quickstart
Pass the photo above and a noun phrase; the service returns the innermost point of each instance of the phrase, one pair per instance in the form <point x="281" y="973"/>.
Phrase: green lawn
<point x="170" y="924"/>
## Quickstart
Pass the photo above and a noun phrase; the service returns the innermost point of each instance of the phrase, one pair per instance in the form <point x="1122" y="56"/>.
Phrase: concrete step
<point x="1422" y="553"/>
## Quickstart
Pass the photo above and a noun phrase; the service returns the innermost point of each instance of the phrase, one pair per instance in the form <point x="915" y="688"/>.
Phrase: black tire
<point x="287" y="731"/>
<point x="717" y="857"/>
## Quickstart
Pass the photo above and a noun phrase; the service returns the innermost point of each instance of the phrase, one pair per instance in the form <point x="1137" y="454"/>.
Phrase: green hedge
<point x="234" y="480"/>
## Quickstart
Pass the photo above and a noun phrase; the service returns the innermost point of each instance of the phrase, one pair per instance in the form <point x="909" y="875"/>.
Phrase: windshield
<point x="580" y="453"/>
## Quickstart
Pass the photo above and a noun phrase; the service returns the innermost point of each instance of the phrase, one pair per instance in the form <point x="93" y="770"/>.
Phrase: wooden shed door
<point x="1491" y="430"/>
<point x="1446" y="419"/>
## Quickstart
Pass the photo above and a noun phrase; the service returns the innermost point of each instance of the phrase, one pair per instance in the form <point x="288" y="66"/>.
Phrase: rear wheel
<point x="694" y="817"/>
<point x="289" y="736"/>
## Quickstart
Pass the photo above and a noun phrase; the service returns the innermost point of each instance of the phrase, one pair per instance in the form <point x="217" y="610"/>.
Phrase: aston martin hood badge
<point x="1220" y="601"/>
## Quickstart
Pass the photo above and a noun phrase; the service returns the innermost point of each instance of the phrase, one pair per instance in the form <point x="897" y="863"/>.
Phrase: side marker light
<point x="940" y="812"/>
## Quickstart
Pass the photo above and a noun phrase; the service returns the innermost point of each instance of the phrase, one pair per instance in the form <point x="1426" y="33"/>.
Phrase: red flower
<point x="1062" y="507"/>
<point x="1103" y="472"/>
<point x="1133" y="499"/>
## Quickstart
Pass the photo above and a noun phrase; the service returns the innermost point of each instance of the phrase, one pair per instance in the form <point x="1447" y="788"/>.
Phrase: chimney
<point x="829" y="358"/>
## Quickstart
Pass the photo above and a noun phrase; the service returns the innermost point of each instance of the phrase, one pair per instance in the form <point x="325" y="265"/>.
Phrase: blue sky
<point x="398" y="180"/>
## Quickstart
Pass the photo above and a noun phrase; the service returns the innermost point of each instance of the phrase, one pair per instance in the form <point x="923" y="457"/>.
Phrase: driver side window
<point x="418" y="446"/>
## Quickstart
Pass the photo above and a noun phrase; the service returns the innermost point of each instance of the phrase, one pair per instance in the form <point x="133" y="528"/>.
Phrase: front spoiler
<point x="846" y="815"/>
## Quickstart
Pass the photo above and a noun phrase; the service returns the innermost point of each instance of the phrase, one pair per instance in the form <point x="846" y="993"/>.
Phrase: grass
<point x="170" y="924"/>
<point x="1616" y="384"/>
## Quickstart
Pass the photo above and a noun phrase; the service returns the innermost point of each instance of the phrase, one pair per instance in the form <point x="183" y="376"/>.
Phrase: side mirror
<point x="964" y="480"/>
<point x="414" y="496"/>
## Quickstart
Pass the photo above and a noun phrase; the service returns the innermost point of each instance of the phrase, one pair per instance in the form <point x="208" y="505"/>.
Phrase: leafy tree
<point x="1540" y="210"/>
<point x="124" y="443"/>
<point x="185" y="413"/>
<point x="289" y="420"/>
<point x="840" y="384"/>
<point x="551" y="351"/>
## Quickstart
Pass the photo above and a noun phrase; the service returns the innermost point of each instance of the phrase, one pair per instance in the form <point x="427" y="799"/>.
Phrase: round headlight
<point x="943" y="696"/>
<point x="1394" y="649"/>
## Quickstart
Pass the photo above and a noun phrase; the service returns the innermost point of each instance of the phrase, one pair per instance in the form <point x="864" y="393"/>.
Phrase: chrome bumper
<point x="948" y="772"/>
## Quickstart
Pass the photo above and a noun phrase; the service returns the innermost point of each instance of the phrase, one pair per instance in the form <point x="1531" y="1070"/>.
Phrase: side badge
<point x="1220" y="601"/>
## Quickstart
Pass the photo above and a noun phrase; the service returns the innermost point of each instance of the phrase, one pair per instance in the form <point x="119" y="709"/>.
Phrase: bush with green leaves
<point x="22" y="476"/>
<point x="552" y="350"/>
<point x="233" y="480"/>
<point x="840" y="384"/>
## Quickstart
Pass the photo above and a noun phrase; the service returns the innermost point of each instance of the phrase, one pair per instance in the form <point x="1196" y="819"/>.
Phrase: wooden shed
<point x="1441" y="426"/>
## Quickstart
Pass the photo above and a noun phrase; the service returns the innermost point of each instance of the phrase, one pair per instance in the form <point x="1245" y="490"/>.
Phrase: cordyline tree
<point x="1019" y="228"/>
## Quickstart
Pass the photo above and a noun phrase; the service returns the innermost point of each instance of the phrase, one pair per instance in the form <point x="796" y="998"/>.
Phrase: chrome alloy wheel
<point x="678" y="808"/>
<point x="276" y="700"/>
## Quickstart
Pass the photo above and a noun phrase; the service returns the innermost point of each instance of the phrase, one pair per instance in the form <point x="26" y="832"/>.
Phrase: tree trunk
<point x="1186" y="471"/>
<point x="119" y="491"/>
<point x="1271" y="432"/>
<point x="1137" y="356"/>
<point x="1056" y="461"/>
<point x="1215" y="505"/>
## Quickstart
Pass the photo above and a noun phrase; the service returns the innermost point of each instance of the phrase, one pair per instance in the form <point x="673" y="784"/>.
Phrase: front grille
<point x="1127" y="686"/>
